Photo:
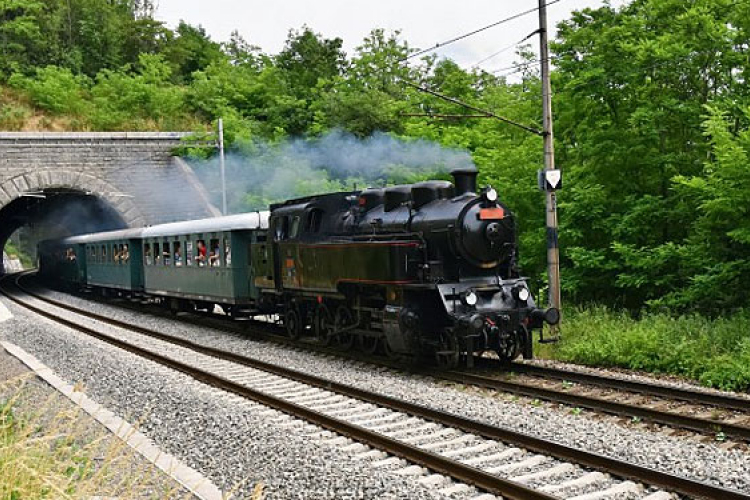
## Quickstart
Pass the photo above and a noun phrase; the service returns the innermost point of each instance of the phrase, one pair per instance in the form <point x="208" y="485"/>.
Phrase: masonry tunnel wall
<point x="95" y="181"/>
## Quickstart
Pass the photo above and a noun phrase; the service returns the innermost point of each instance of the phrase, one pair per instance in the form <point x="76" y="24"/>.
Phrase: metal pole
<point x="553" y="252"/>
<point x="223" y="170"/>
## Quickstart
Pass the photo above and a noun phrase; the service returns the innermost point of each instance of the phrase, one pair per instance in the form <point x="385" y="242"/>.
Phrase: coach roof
<point x="123" y="234"/>
<point x="238" y="222"/>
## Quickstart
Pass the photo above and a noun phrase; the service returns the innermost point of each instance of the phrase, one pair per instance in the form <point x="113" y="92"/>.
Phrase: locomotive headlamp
<point x="490" y="195"/>
<point x="521" y="293"/>
<point x="470" y="298"/>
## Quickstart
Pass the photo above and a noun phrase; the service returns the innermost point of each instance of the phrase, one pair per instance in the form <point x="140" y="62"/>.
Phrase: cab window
<point x="282" y="228"/>
<point x="314" y="219"/>
<point x="157" y="254"/>
<point x="294" y="231"/>
<point x="147" y="254"/>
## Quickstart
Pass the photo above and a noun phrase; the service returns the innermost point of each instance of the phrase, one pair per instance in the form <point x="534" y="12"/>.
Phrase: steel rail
<point x="694" y="396"/>
<point x="614" y="466"/>
<point x="600" y="404"/>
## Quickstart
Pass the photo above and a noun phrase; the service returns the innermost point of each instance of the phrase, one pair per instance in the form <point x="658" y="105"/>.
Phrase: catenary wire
<point x="474" y="32"/>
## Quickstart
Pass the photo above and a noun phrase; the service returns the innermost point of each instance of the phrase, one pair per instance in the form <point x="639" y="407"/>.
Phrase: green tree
<point x="631" y="87"/>
<point x="309" y="64"/>
<point x="308" y="58"/>
<point x="20" y="35"/>
<point x="189" y="49"/>
<point x="370" y="96"/>
<point x="715" y="260"/>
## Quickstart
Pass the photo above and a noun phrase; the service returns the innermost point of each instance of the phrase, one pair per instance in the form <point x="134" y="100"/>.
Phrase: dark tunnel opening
<point x="54" y="213"/>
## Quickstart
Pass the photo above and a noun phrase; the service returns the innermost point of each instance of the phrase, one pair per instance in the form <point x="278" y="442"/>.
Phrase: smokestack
<point x="465" y="180"/>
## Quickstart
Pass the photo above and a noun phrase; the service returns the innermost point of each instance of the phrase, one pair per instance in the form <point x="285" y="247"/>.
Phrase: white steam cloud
<point x="265" y="172"/>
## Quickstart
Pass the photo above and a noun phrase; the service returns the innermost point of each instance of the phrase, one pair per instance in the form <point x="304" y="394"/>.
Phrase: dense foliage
<point x="715" y="352"/>
<point x="652" y="122"/>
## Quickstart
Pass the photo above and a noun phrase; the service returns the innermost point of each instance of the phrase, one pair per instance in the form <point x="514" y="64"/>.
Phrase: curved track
<point x="389" y="424"/>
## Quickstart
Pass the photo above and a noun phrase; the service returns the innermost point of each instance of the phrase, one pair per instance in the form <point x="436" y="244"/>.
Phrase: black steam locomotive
<point x="413" y="270"/>
<point x="429" y="267"/>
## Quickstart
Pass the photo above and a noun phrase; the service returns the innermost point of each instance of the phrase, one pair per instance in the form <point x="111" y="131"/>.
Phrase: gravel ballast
<point x="240" y="445"/>
<point x="690" y="457"/>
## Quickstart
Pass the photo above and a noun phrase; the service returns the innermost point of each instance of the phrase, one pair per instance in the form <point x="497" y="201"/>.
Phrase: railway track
<point x="713" y="414"/>
<point x="716" y="415"/>
<point x="493" y="459"/>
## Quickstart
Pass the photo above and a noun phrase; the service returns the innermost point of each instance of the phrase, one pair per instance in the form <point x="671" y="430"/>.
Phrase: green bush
<point x="55" y="89"/>
<point x="124" y="100"/>
<point x="715" y="352"/>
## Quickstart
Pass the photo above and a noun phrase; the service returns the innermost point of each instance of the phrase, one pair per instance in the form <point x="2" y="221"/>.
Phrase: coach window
<point x="147" y="254"/>
<point x="214" y="256"/>
<point x="166" y="254"/>
<point x="189" y="252"/>
<point x="157" y="254"/>
<point x="177" y="253"/>
<point x="227" y="252"/>
<point x="201" y="253"/>
<point x="125" y="253"/>
<point x="104" y="254"/>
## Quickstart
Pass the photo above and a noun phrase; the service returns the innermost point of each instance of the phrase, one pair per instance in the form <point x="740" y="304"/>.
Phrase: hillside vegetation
<point x="652" y="125"/>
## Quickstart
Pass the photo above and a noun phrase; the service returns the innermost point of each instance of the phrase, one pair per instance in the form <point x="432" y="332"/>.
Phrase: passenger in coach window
<point x="201" y="257"/>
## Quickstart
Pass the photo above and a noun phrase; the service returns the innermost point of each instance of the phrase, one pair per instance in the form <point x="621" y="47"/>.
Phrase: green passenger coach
<point x="112" y="259"/>
<point x="63" y="262"/>
<point x="204" y="262"/>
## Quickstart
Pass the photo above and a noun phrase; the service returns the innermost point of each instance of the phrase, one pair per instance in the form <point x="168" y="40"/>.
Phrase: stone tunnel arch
<point x="134" y="177"/>
<point x="21" y="185"/>
<point x="64" y="203"/>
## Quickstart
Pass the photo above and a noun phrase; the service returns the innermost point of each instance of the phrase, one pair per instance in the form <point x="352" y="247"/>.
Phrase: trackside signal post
<point x="549" y="179"/>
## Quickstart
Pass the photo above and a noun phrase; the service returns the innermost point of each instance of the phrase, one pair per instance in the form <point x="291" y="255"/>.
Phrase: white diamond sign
<point x="553" y="178"/>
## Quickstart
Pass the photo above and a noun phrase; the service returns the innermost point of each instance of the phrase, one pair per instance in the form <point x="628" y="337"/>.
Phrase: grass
<point x="53" y="453"/>
<point x="715" y="352"/>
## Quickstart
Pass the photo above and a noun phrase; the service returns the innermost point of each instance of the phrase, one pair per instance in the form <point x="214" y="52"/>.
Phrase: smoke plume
<point x="264" y="173"/>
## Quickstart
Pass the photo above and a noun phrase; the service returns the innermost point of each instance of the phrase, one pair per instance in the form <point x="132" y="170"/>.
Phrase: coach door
<point x="280" y="230"/>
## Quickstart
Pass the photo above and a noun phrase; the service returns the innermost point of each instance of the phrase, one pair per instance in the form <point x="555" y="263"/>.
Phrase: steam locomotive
<point x="418" y="270"/>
